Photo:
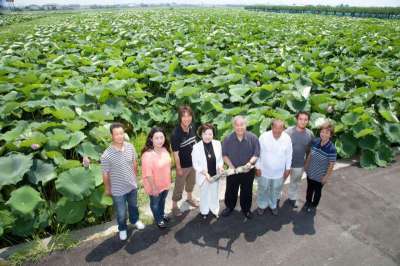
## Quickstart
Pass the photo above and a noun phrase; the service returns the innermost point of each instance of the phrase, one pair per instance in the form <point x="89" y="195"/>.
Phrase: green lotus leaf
<point x="70" y="212"/>
<point x="13" y="167"/>
<point x="15" y="132"/>
<point x="90" y="150"/>
<point x="367" y="159"/>
<point x="75" y="125"/>
<point x="346" y="145"/>
<point x="24" y="201"/>
<point x="74" y="139"/>
<point x="97" y="116"/>
<point x="392" y="132"/>
<point x="383" y="155"/>
<point x="75" y="184"/>
<point x="41" y="172"/>
<point x="32" y="138"/>
<point x="369" y="142"/>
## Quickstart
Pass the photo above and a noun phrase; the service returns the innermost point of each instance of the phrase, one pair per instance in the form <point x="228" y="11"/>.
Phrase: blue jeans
<point x="120" y="209"/>
<point x="157" y="205"/>
<point x="268" y="192"/>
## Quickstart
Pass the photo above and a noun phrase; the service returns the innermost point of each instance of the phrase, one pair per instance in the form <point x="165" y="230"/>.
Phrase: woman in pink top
<point x="156" y="173"/>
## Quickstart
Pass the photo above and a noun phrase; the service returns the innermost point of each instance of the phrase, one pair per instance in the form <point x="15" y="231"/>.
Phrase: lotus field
<point x="62" y="83"/>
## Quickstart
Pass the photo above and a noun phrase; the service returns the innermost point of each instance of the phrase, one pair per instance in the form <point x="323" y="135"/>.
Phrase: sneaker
<point x="176" y="212"/>
<point x="123" y="235"/>
<point x="248" y="215"/>
<point x="274" y="211"/>
<point x="226" y="212"/>
<point x="162" y="225"/>
<point x="166" y="218"/>
<point x="293" y="203"/>
<point x="204" y="216"/>
<point x="260" y="211"/>
<point x="192" y="203"/>
<point x="214" y="215"/>
<point x="139" y="225"/>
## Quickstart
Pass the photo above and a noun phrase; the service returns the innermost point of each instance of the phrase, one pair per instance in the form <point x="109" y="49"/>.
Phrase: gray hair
<point x="239" y="117"/>
<point x="276" y="122"/>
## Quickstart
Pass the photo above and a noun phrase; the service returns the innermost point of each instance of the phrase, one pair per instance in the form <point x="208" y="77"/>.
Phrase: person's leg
<point x="161" y="205"/>
<point x="310" y="191"/>
<point x="276" y="188"/>
<point x="177" y="192"/>
<point x="295" y="182"/>
<point x="231" y="191"/>
<point x="317" y="194"/>
<point x="246" y="191"/>
<point x="133" y="210"/>
<point x="268" y="194"/>
<point x="262" y="200"/>
<point x="155" y="208"/>
<point x="204" y="200"/>
<point x="190" y="183"/>
<point x="120" y="210"/>
<point x="213" y="196"/>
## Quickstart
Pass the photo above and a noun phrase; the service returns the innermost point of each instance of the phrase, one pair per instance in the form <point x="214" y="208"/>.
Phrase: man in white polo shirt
<point x="273" y="166"/>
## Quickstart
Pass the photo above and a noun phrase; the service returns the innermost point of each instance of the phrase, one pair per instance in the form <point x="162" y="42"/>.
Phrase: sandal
<point x="176" y="212"/>
<point x="192" y="203"/>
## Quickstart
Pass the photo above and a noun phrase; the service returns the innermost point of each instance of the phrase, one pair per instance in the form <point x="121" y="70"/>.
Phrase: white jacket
<point x="199" y="159"/>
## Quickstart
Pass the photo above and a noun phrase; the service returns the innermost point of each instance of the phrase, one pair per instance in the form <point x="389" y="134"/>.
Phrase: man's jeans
<point x="268" y="191"/>
<point x="120" y="208"/>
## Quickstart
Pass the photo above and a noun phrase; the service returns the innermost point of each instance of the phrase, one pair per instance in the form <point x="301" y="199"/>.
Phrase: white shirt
<point x="275" y="155"/>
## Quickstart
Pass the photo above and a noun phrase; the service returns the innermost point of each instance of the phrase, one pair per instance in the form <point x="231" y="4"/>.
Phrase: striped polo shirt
<point x="119" y="165"/>
<point x="321" y="156"/>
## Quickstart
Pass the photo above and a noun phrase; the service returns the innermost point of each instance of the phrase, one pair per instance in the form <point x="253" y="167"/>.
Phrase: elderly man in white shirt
<point x="273" y="166"/>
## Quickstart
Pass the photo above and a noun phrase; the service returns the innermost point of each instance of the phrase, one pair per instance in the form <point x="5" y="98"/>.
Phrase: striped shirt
<point x="119" y="165"/>
<point x="321" y="156"/>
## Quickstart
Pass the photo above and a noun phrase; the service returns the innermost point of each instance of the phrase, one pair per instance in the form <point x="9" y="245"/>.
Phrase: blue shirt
<point x="321" y="156"/>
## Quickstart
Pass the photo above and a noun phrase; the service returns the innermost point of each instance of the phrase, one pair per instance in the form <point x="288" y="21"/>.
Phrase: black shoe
<point x="293" y="204"/>
<point x="306" y="205"/>
<point x="166" y="219"/>
<point x="226" y="212"/>
<point x="274" y="211"/>
<point x="277" y="202"/>
<point x="162" y="225"/>
<point x="248" y="215"/>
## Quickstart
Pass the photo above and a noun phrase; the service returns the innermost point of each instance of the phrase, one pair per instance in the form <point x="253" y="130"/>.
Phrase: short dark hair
<point x="204" y="127"/>
<point x="116" y="125"/>
<point x="303" y="113"/>
<point x="184" y="109"/>
<point x="328" y="126"/>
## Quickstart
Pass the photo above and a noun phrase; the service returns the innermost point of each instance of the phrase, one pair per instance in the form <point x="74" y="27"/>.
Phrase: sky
<point x="218" y="2"/>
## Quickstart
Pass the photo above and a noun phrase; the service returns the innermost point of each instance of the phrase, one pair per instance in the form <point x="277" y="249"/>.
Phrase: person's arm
<point x="307" y="163"/>
<point x="177" y="163"/>
<point x="288" y="154"/>
<point x="147" y="173"/>
<point x="325" y="178"/>
<point x="135" y="167"/>
<point x="256" y="152"/>
<point x="107" y="186"/>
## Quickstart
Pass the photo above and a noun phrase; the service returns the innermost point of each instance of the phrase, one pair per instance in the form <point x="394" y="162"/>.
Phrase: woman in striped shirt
<point x="319" y="165"/>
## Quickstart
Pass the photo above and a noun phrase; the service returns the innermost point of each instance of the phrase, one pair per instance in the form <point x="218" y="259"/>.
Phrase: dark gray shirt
<point x="240" y="152"/>
<point x="301" y="142"/>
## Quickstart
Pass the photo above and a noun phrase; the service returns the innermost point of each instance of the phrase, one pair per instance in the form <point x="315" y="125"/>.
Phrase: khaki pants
<point x="186" y="181"/>
<point x="295" y="182"/>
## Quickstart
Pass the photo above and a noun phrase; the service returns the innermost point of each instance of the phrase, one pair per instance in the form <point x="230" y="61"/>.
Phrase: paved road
<point x="358" y="223"/>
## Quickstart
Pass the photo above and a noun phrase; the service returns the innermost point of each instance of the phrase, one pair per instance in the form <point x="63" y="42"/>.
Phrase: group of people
<point x="270" y="159"/>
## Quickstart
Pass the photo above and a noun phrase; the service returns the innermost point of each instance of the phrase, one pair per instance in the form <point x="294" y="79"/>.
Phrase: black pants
<point x="313" y="192"/>
<point x="245" y="182"/>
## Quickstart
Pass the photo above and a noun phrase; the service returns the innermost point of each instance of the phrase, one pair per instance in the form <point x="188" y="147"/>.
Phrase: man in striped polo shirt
<point x="319" y="165"/>
<point x="119" y="168"/>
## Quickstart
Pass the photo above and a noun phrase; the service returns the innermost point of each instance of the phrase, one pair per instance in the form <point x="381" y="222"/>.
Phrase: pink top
<point x="158" y="166"/>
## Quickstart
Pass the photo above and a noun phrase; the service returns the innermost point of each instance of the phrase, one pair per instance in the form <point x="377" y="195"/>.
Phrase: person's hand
<point x="86" y="161"/>
<point x="286" y="174"/>
<point x="258" y="172"/>
<point x="154" y="192"/>
<point x="221" y="169"/>
<point x="208" y="177"/>
<point x="179" y="171"/>
<point x="324" y="180"/>
<point x="107" y="191"/>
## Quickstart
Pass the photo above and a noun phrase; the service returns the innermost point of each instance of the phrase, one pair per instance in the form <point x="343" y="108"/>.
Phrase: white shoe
<point x="139" y="225"/>
<point x="123" y="235"/>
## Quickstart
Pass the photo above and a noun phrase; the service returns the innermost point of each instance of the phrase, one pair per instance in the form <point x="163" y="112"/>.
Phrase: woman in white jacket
<point x="207" y="162"/>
